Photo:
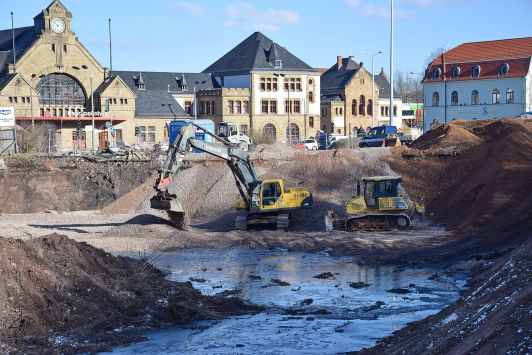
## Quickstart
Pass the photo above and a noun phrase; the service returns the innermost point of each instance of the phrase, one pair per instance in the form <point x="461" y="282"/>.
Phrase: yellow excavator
<point x="263" y="201"/>
<point x="380" y="207"/>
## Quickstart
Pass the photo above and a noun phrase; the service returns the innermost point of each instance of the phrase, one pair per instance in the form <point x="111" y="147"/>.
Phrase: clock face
<point x="57" y="25"/>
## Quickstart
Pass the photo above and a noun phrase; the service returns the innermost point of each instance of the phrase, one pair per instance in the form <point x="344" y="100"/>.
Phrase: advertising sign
<point x="7" y="117"/>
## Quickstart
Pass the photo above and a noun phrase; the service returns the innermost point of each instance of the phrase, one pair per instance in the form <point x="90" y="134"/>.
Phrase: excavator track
<point x="368" y="222"/>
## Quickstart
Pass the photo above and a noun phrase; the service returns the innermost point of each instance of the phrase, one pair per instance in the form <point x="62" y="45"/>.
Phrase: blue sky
<point x="170" y="35"/>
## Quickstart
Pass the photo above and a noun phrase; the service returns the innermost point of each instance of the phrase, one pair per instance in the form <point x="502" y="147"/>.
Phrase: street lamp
<point x="289" y="107"/>
<point x="422" y="112"/>
<point x="170" y="108"/>
<point x="391" y="63"/>
<point x="84" y="67"/>
<point x="373" y="55"/>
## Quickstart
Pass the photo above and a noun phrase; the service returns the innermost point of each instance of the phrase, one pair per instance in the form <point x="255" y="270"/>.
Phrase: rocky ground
<point x="473" y="177"/>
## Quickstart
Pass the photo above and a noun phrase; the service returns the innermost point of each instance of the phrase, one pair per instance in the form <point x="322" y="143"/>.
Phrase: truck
<point x="384" y="136"/>
<point x="230" y="131"/>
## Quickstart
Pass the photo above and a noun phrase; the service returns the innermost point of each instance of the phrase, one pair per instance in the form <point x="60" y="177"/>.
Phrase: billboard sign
<point x="7" y="117"/>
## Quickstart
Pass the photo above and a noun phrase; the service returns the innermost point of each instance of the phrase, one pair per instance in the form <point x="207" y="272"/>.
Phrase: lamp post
<point x="373" y="55"/>
<point x="391" y="63"/>
<point x="289" y="106"/>
<point x="423" y="111"/>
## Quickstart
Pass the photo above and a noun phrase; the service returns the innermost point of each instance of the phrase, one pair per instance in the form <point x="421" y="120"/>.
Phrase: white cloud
<point x="246" y="16"/>
<point x="373" y="10"/>
<point x="188" y="7"/>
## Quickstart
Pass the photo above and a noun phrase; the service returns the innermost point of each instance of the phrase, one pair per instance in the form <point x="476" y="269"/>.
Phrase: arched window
<point x="436" y="73"/>
<point x="454" y="98"/>
<point x="370" y="107"/>
<point x="503" y="70"/>
<point x="60" y="89"/>
<point x="474" y="97"/>
<point x="455" y="72"/>
<point x="496" y="96"/>
<point x="436" y="99"/>
<point x="269" y="131"/>
<point x="509" y="96"/>
<point x="295" y="132"/>
<point x="362" y="105"/>
<point x="475" y="71"/>
<point x="341" y="111"/>
<point x="354" y="107"/>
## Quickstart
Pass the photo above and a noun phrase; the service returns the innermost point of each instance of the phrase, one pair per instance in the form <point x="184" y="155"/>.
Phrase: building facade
<point x="382" y="82"/>
<point x="347" y="98"/>
<point x="480" y="80"/>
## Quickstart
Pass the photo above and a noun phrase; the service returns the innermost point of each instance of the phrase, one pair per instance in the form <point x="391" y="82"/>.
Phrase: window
<point x="268" y="84"/>
<point x="496" y="96"/>
<point x="341" y="111"/>
<point x="297" y="107"/>
<point x="264" y="104"/>
<point x="125" y="101"/>
<point x="269" y="132"/>
<point x="238" y="106"/>
<point x="509" y="96"/>
<point x="202" y="108"/>
<point x="354" y="107"/>
<point x="311" y="122"/>
<point x="244" y="128"/>
<point x="212" y="107"/>
<point x="60" y="89"/>
<point x="262" y="84"/>
<point x="207" y="107"/>
<point x="188" y="107"/>
<point x="474" y="97"/>
<point x="362" y="105"/>
<point x="395" y="110"/>
<point x="454" y="98"/>
<point x="65" y="48"/>
<point x="295" y="84"/>
<point x="121" y="101"/>
<point x="382" y="110"/>
<point x="436" y="99"/>
<point x="386" y="111"/>
<point x="230" y="106"/>
<point x="337" y="111"/>
<point x="53" y="47"/>
<point x="455" y="72"/>
<point x="151" y="134"/>
<point x="114" y="101"/>
<point x="436" y="73"/>
<point x="278" y="63"/>
<point x="294" y="132"/>
<point x="273" y="106"/>
<point x="245" y="104"/>
<point x="11" y="99"/>
<point x="142" y="134"/>
<point x="475" y="71"/>
<point x="310" y="96"/>
<point x="286" y="106"/>
<point x="370" y="107"/>
<point x="23" y="99"/>
<point x="503" y="70"/>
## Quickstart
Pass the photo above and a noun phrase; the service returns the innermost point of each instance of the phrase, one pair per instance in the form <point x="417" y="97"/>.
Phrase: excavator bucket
<point x="174" y="209"/>
<point x="391" y="141"/>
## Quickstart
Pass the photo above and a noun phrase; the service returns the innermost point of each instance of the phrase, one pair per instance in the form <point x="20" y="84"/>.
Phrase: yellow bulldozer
<point x="379" y="207"/>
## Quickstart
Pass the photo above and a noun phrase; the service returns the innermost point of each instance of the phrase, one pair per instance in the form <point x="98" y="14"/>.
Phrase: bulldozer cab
<point x="379" y="187"/>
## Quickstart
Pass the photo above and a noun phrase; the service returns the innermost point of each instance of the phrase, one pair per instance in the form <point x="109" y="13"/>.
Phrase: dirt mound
<point x="454" y="135"/>
<point x="489" y="318"/>
<point x="483" y="188"/>
<point x="53" y="285"/>
<point x="276" y="147"/>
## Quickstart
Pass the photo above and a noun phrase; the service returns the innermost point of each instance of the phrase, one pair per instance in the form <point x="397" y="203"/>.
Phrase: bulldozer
<point x="379" y="207"/>
<point x="261" y="201"/>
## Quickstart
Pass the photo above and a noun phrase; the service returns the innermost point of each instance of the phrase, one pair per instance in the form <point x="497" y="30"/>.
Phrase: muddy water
<point x="304" y="313"/>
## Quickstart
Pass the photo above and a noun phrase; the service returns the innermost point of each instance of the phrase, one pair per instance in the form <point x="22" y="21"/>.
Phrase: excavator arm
<point x="236" y="158"/>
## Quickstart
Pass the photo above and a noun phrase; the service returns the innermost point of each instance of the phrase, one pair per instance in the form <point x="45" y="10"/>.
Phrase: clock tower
<point x="53" y="25"/>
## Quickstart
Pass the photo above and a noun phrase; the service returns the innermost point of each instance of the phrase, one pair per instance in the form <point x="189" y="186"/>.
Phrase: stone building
<point x="383" y="113"/>
<point x="260" y="86"/>
<point x="346" y="97"/>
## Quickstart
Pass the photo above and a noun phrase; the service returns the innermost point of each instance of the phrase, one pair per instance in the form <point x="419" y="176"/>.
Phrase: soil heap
<point x="53" y="286"/>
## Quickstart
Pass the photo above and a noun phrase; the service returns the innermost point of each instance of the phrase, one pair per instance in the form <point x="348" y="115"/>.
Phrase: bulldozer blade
<point x="329" y="218"/>
<point x="392" y="141"/>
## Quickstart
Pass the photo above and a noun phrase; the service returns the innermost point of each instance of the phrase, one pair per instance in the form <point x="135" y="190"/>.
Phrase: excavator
<point x="380" y="207"/>
<point x="263" y="201"/>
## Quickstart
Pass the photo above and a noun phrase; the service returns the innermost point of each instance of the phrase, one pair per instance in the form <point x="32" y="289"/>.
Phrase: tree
<point x="433" y="55"/>
<point x="408" y="86"/>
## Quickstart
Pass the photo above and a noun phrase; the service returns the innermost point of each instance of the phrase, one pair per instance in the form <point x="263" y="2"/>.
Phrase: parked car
<point x="378" y="136"/>
<point x="310" y="144"/>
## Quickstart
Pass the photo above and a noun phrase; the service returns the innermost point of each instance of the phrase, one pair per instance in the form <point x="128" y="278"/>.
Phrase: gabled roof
<point x="5" y="78"/>
<point x="159" y="88"/>
<point x="24" y="38"/>
<point x="381" y="80"/>
<point x="257" y="53"/>
<point x="488" y="50"/>
<point x="335" y="79"/>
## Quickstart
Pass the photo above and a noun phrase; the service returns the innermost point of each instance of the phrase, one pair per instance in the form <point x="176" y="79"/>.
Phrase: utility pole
<point x="391" y="63"/>
<point x="14" y="48"/>
<point x="373" y="55"/>
<point x="110" y="50"/>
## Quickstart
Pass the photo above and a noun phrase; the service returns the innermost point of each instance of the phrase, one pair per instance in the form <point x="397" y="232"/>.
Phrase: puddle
<point x="347" y="308"/>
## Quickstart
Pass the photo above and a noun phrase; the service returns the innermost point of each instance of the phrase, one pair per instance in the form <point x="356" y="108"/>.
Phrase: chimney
<point x="338" y="62"/>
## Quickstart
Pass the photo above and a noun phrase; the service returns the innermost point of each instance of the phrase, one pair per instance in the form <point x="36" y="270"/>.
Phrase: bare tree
<point x="433" y="55"/>
<point x="408" y="86"/>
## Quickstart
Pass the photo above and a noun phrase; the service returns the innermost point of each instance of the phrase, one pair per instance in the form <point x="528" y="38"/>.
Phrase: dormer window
<point x="278" y="64"/>
<point x="475" y="72"/>
<point x="455" y="72"/>
<point x="436" y="73"/>
<point x="503" y="70"/>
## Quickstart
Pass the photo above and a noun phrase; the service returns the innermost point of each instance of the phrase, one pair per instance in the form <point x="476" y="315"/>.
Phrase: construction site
<point x="89" y="265"/>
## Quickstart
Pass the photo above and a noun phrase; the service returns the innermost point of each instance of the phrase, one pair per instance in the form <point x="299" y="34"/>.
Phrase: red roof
<point x="489" y="56"/>
<point x="488" y="50"/>
<point x="321" y="70"/>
